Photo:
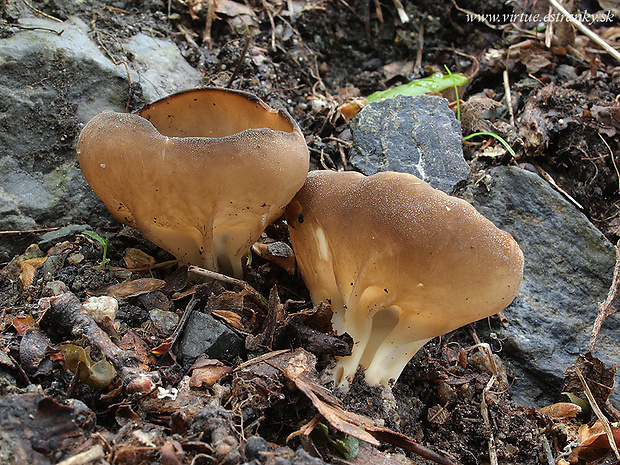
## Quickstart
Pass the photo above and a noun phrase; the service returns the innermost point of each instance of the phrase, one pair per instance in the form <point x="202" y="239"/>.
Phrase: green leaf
<point x="104" y="244"/>
<point x="347" y="445"/>
<point x="492" y="134"/>
<point x="435" y="83"/>
<point x="585" y="406"/>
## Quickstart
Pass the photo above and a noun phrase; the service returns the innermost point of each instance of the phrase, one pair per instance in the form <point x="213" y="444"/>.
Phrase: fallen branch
<point x="67" y="317"/>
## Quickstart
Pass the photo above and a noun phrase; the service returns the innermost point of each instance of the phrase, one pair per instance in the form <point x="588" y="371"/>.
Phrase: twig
<point x="547" y="449"/>
<point x="606" y="308"/>
<point x="209" y="22"/>
<point x="267" y="6"/>
<point x="400" y="9"/>
<point x="227" y="279"/>
<point x="417" y="67"/>
<point x="39" y="12"/>
<point x="549" y="30"/>
<point x="508" y="97"/>
<point x="38" y="28"/>
<point x="92" y="455"/>
<point x="116" y="62"/>
<point x="579" y="25"/>
<point x="487" y="422"/>
<point x="378" y="11"/>
<point x="246" y="45"/>
<point x="547" y="177"/>
<point x="602" y="418"/>
<point x="29" y="231"/>
<point x="613" y="159"/>
<point x="184" y="319"/>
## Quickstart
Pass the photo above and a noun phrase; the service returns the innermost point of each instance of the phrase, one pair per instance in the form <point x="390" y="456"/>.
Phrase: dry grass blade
<point x="579" y="25"/>
<point x="599" y="414"/>
<point x="606" y="308"/>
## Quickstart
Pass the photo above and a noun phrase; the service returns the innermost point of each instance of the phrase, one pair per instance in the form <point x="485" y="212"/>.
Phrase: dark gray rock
<point x="418" y="135"/>
<point x="51" y="83"/>
<point x="204" y="334"/>
<point x="50" y="238"/>
<point x="255" y="447"/>
<point x="568" y="269"/>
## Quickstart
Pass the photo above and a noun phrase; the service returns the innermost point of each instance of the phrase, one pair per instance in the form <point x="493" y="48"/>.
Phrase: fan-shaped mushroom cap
<point x="201" y="173"/>
<point x="400" y="262"/>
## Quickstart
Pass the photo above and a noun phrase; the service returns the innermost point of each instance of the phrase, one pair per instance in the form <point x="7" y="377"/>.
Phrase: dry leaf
<point x="136" y="259"/>
<point x="561" y="410"/>
<point x="131" y="288"/>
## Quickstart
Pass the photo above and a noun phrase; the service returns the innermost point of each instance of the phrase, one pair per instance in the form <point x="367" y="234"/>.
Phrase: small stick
<point x="613" y="159"/>
<point x="227" y="279"/>
<point x="508" y="97"/>
<point x="29" y="231"/>
<point x="92" y="455"/>
<point x="606" y="308"/>
<point x="246" y="45"/>
<point x="417" y="67"/>
<point x="209" y="22"/>
<point x="547" y="177"/>
<point x="404" y="18"/>
<point x="579" y="25"/>
<point x="39" y="12"/>
<point x="599" y="413"/>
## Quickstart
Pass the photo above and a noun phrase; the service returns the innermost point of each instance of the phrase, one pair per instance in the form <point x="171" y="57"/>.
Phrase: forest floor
<point x="453" y="399"/>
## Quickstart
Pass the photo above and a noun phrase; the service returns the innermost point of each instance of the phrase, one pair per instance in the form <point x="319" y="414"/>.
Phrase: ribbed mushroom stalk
<point x="400" y="263"/>
<point x="200" y="173"/>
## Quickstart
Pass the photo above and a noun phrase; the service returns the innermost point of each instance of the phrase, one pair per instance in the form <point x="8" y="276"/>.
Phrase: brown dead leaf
<point x="33" y="350"/>
<point x="277" y="252"/>
<point x="163" y="347"/>
<point x="28" y="268"/>
<point x="130" y="288"/>
<point x="601" y="379"/>
<point x="350" y="109"/>
<point x="230" y="317"/>
<point x="300" y="370"/>
<point x="136" y="259"/>
<point x="560" y="410"/>
<point x="207" y="374"/>
<point x="274" y="319"/>
<point x="23" y="324"/>
<point x="132" y="342"/>
<point x="593" y="443"/>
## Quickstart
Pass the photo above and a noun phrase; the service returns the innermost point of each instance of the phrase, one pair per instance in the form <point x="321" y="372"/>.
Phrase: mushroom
<point x="200" y="173"/>
<point x="399" y="261"/>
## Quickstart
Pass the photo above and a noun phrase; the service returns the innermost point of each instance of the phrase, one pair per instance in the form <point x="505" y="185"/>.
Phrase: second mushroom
<point x="400" y="263"/>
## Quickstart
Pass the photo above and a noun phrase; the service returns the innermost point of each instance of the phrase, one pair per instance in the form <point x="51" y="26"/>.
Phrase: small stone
<point x="51" y="238"/>
<point x="100" y="307"/>
<point x="418" y="135"/>
<point x="164" y="321"/>
<point x="254" y="447"/>
<point x="54" y="288"/>
<point x="205" y="335"/>
<point x="75" y="258"/>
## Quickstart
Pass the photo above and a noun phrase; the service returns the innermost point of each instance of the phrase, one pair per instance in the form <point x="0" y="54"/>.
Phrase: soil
<point x="332" y="51"/>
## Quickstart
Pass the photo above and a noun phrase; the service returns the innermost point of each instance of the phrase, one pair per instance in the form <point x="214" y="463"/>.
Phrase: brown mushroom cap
<point x="400" y="262"/>
<point x="201" y="173"/>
